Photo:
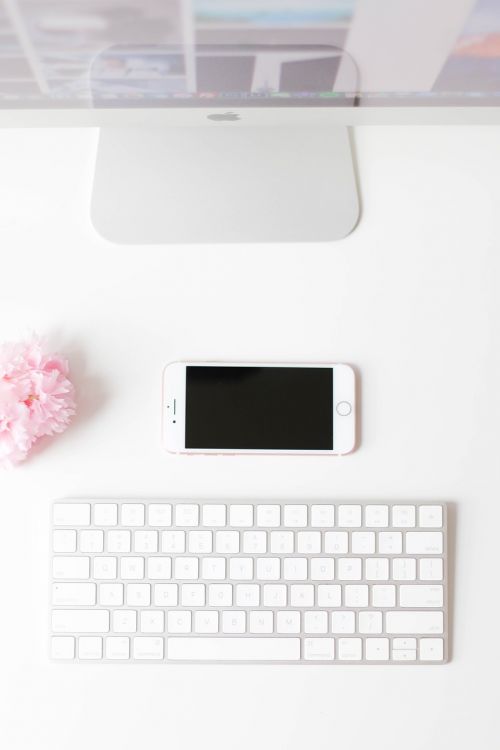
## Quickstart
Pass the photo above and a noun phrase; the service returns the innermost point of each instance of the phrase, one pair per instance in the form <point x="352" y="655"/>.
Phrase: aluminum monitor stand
<point x="224" y="183"/>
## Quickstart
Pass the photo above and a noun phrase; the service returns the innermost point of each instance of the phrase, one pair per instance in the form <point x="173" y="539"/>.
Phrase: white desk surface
<point x="412" y="298"/>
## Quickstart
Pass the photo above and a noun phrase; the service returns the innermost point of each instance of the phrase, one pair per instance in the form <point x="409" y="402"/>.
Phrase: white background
<point x="411" y="298"/>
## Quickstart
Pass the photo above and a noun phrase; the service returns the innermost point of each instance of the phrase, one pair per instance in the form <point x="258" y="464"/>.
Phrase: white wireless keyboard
<point x="238" y="582"/>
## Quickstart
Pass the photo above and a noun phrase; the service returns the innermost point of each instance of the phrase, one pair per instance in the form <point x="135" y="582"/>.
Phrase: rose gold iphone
<point x="211" y="407"/>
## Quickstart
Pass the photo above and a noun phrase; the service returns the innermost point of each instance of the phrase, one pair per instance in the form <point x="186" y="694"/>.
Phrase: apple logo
<point x="224" y="117"/>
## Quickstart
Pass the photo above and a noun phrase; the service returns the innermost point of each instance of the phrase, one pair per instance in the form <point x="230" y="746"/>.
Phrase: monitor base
<point x="224" y="183"/>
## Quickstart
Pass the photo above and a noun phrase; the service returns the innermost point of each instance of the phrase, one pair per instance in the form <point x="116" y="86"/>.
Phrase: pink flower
<point x="36" y="398"/>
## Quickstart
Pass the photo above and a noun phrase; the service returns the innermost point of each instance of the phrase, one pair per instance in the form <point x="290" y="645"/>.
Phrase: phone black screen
<point x="259" y="408"/>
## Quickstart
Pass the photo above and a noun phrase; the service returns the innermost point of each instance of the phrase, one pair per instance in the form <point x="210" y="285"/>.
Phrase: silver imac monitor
<point x="227" y="120"/>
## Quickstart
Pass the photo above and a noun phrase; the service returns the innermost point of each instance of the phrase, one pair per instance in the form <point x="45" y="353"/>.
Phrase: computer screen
<point x="82" y="54"/>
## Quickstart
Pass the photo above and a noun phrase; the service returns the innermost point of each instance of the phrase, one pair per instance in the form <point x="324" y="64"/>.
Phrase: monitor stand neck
<point x="226" y="182"/>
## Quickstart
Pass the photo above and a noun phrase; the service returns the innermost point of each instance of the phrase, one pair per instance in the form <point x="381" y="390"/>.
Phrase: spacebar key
<point x="233" y="649"/>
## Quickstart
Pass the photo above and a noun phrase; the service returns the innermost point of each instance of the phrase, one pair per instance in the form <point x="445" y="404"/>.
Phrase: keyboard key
<point x="255" y="542"/>
<point x="268" y="568"/>
<point x="241" y="515"/>
<point x="105" y="514"/>
<point x="73" y="594"/>
<point x="316" y="622"/>
<point x="71" y="514"/>
<point x="117" y="647"/>
<point x="424" y="542"/>
<point x="91" y="541"/>
<point x="349" y="516"/>
<point x="152" y="621"/>
<point x="62" y="647"/>
<point x="295" y="516"/>
<point x="200" y="542"/>
<point x="80" y="621"/>
<point x="430" y="516"/>
<point x="145" y="647"/>
<point x="111" y="594"/>
<point x="159" y="567"/>
<point x="282" y="542"/>
<point x="390" y="542"/>
<point x="337" y="542"/>
<point x="132" y="514"/>
<point x="356" y="596"/>
<point x="383" y="596"/>
<point x="213" y="568"/>
<point x="288" y="621"/>
<point x="404" y="655"/>
<point x="90" y="647"/>
<point x="138" y="594"/>
<point x="160" y="514"/>
<point x="233" y="622"/>
<point x="173" y="542"/>
<point x="349" y="568"/>
<point x="404" y="569"/>
<point x="377" y="515"/>
<point x="343" y="622"/>
<point x="166" y="594"/>
<point x="274" y="595"/>
<point x="295" y="569"/>
<point x="132" y="568"/>
<point x="186" y="568"/>
<point x="430" y="569"/>
<point x="319" y="649"/>
<point x="241" y="568"/>
<point x="431" y="649"/>
<point x="178" y="621"/>
<point x="322" y="569"/>
<point x="426" y="623"/>
<point x="268" y="516"/>
<point x="64" y="540"/>
<point x="247" y="595"/>
<point x="233" y="649"/>
<point x="214" y="515"/>
<point x="309" y="542"/>
<point x="403" y="516"/>
<point x="104" y="568"/>
<point x="302" y="595"/>
<point x="71" y="567"/>
<point x="377" y="649"/>
<point x="118" y="541"/>
<point x="261" y="621"/>
<point x="370" y="622"/>
<point x="187" y="515"/>
<point x="377" y="569"/>
<point x="227" y="542"/>
<point x="193" y="595"/>
<point x="404" y="643"/>
<point x="362" y="542"/>
<point x="124" y="621"/>
<point x="146" y="541"/>
<point x="323" y="516"/>
<point x="220" y="595"/>
<point x="420" y="596"/>
<point x="329" y="595"/>
<point x="350" y="649"/>
<point x="206" y="622"/>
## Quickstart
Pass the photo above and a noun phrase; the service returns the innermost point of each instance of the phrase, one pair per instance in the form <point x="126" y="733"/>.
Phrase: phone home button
<point x="344" y="408"/>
